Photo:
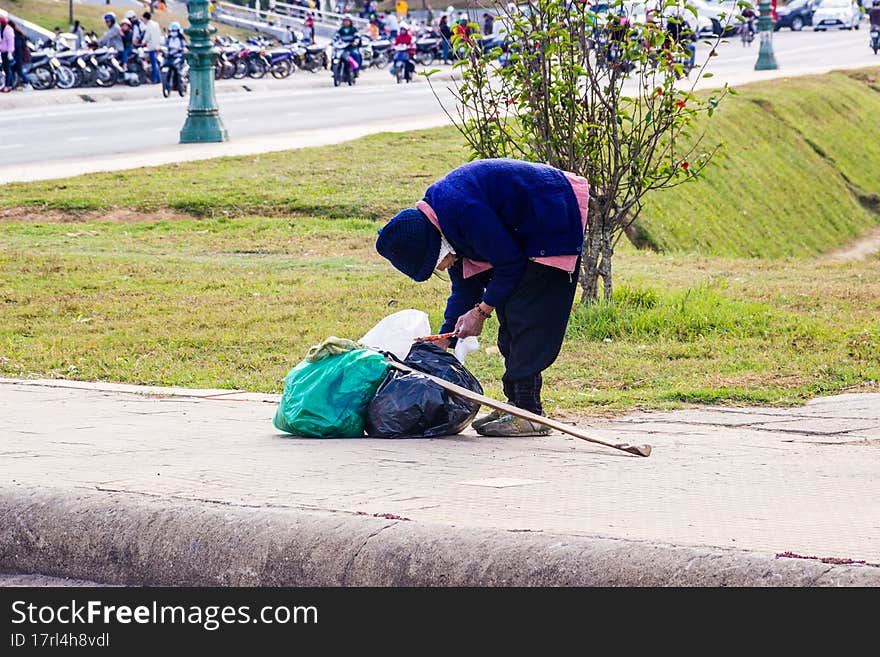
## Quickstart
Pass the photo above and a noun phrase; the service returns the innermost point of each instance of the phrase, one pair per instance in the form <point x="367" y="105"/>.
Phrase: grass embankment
<point x="51" y="13"/>
<point x="108" y="277"/>
<point x="798" y="174"/>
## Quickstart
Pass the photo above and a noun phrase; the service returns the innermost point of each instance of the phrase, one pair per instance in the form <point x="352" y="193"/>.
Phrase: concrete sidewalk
<point x="123" y="484"/>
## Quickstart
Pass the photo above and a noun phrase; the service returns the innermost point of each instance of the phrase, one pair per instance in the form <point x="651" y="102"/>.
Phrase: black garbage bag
<point x="410" y="406"/>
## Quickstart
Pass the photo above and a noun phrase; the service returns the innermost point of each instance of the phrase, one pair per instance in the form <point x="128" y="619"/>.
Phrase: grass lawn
<point x="52" y="13"/>
<point x="223" y="273"/>
<point x="235" y="302"/>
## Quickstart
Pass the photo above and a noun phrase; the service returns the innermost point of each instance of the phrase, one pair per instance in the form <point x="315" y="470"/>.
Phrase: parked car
<point x="721" y="13"/>
<point x="837" y="14"/>
<point x="705" y="13"/>
<point x="796" y="14"/>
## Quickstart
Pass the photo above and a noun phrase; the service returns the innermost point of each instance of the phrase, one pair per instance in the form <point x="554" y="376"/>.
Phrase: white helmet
<point x="130" y="15"/>
<point x="174" y="27"/>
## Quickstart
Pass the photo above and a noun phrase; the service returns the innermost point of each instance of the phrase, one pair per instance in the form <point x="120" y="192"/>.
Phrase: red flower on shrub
<point x="680" y="104"/>
<point x="685" y="165"/>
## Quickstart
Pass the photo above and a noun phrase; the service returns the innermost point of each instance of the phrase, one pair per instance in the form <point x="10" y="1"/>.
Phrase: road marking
<point x="77" y="138"/>
<point x="294" y="114"/>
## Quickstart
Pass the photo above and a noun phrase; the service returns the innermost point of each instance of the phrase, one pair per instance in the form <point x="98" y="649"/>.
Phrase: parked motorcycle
<point x="875" y="38"/>
<point x="281" y="62"/>
<point x="43" y="70"/>
<point x="427" y="50"/>
<point x="137" y="69"/>
<point x="311" y="58"/>
<point x="69" y="73"/>
<point x="381" y="52"/>
<point x="97" y="67"/>
<point x="224" y="65"/>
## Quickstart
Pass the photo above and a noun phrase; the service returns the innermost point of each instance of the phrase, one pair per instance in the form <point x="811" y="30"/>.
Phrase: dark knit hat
<point x="412" y="244"/>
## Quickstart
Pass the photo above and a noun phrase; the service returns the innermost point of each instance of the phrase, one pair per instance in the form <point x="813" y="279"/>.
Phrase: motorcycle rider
<point x="349" y="34"/>
<point x="404" y="38"/>
<point x="874" y="15"/>
<point x="127" y="41"/>
<point x="137" y="28"/>
<point x="749" y="15"/>
<point x="175" y="42"/>
<point x="112" y="38"/>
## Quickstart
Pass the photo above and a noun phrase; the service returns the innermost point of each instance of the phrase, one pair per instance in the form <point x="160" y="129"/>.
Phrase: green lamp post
<point x="203" y="122"/>
<point x="766" y="58"/>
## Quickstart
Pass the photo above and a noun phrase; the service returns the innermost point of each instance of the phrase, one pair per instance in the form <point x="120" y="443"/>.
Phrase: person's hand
<point x="471" y="323"/>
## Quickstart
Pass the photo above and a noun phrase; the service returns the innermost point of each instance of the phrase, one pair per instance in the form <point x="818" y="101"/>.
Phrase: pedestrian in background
<point x="445" y="38"/>
<point x="78" y="32"/>
<point x="392" y="25"/>
<point x="152" y="42"/>
<point x="488" y="24"/>
<point x="288" y="37"/>
<point x="21" y="57"/>
<point x="7" y="50"/>
<point x="309" y="24"/>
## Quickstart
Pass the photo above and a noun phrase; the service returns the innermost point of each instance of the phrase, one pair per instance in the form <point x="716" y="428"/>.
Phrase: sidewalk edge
<point x="139" y="540"/>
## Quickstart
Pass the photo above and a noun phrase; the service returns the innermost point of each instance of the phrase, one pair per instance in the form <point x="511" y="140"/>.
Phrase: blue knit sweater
<point x="503" y="212"/>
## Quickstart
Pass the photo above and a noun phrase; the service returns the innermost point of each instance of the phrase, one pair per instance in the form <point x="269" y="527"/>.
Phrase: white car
<point x="837" y="14"/>
<point x="705" y="13"/>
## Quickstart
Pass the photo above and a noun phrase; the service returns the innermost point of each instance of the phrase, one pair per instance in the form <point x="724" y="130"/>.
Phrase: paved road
<point x="309" y="103"/>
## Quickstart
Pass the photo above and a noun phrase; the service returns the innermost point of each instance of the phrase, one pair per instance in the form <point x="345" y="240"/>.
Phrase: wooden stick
<point x="638" y="450"/>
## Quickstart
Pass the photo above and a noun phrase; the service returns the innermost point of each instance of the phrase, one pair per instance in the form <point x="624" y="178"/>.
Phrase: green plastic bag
<point x="328" y="398"/>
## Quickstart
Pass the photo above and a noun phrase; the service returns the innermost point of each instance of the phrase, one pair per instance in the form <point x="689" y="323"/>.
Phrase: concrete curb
<point x="137" y="540"/>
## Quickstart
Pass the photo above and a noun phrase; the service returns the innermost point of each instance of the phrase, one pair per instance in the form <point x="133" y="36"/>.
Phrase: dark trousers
<point x="17" y="74"/>
<point x="531" y="327"/>
<point x="7" y="68"/>
<point x="154" y="66"/>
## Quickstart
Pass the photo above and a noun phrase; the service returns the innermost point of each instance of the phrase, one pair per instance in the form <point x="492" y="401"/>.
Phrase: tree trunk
<point x="596" y="258"/>
<point x="590" y="259"/>
<point x="605" y="264"/>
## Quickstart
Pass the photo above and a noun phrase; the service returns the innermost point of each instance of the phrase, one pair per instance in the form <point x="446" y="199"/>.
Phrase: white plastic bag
<point x="396" y="332"/>
<point x="465" y="347"/>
